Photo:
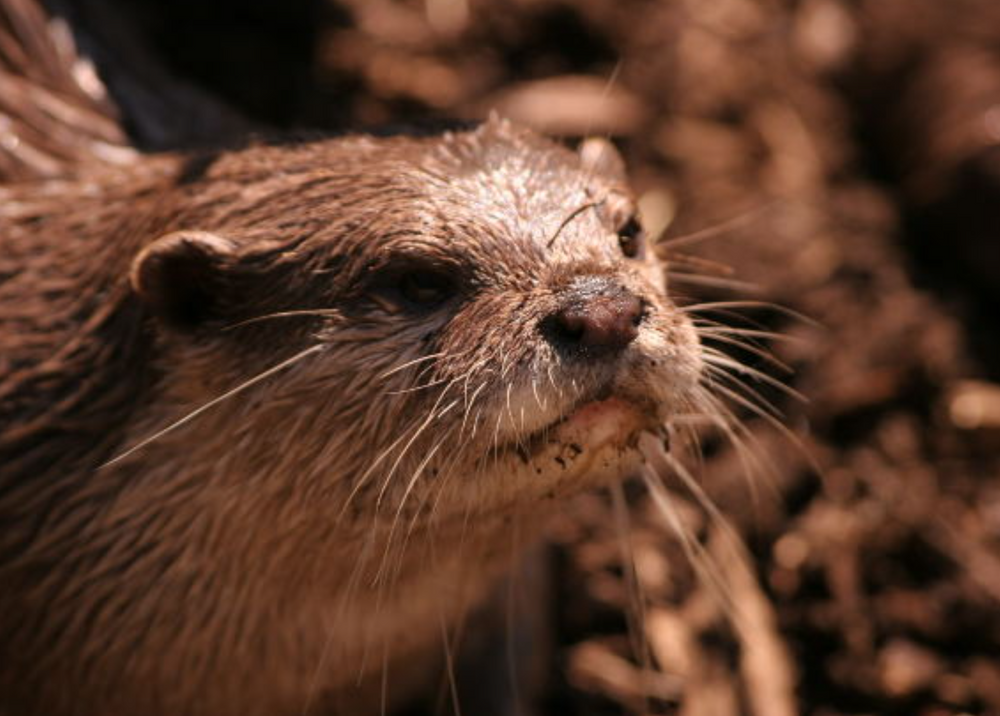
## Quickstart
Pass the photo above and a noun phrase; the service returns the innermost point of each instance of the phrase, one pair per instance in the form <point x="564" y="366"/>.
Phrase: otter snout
<point x="598" y="315"/>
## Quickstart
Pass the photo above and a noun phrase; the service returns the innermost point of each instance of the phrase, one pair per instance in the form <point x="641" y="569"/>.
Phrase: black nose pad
<point x="599" y="316"/>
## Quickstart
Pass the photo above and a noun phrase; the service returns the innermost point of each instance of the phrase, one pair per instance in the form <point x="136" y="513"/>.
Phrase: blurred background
<point x="842" y="159"/>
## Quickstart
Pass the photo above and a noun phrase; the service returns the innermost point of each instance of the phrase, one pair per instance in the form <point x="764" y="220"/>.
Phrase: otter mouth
<point x="594" y="421"/>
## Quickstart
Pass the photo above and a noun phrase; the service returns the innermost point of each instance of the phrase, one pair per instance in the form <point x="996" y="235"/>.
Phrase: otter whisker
<point x="717" y="360"/>
<point x="461" y="618"/>
<point x="761" y="353"/>
<point x="447" y="474"/>
<point x="601" y="100"/>
<point x="515" y="553"/>
<point x="685" y="429"/>
<point x="415" y="361"/>
<point x="738" y="435"/>
<point x="766" y="412"/>
<point x="716" y="305"/>
<point x="434" y="414"/>
<point x="264" y="375"/>
<point x="387" y="578"/>
<point x="444" y="473"/>
<point x="693" y="419"/>
<point x="723" y="378"/>
<point x="698" y="279"/>
<point x="417" y="388"/>
<point x="700" y="320"/>
<point x="317" y="312"/>
<point x="542" y="405"/>
<point x="510" y="414"/>
<point x="728" y="336"/>
<point x="698" y="556"/>
<point x="402" y="504"/>
<point x="430" y="365"/>
<point x="468" y="410"/>
<point x="552" y="380"/>
<point x="716" y="230"/>
<point x="384" y="679"/>
<point x="431" y="417"/>
<point x="695" y="488"/>
<point x="774" y="421"/>
<point x="417" y="428"/>
<point x="708" y="266"/>
<point x="360" y="482"/>
<point x="711" y="327"/>
<point x="753" y="348"/>
<point x="636" y="613"/>
<point x="449" y="660"/>
<point x="476" y="421"/>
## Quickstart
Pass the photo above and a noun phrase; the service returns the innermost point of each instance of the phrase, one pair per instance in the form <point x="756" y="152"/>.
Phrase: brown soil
<point x="844" y="157"/>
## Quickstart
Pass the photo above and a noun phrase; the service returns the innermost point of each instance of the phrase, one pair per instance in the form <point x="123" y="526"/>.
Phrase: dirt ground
<point x="842" y="158"/>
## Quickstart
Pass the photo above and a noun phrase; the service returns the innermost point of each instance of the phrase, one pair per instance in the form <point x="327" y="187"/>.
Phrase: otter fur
<point x="274" y="419"/>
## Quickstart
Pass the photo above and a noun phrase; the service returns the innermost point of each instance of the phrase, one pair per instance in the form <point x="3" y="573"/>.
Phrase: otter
<point x="273" y="419"/>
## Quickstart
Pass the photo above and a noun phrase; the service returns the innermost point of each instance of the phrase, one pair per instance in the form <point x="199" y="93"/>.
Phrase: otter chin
<point x="609" y="421"/>
<point x="596" y="443"/>
<point x="612" y="422"/>
<point x="278" y="418"/>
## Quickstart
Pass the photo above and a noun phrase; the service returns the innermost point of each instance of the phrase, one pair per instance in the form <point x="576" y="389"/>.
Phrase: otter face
<point x="480" y="319"/>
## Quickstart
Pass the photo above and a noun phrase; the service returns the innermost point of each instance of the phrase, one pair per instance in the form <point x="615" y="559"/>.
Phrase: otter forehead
<point x="502" y="181"/>
<point x="512" y="176"/>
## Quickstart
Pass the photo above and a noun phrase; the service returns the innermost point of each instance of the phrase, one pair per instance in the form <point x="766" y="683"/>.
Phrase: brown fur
<point x="294" y="546"/>
<point x="297" y="538"/>
<point x="54" y="112"/>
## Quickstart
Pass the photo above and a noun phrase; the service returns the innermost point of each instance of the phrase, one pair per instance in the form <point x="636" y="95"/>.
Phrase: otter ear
<point x="599" y="156"/>
<point x="180" y="276"/>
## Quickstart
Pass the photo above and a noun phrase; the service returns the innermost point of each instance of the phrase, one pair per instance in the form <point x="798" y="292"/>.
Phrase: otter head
<point x="476" y="320"/>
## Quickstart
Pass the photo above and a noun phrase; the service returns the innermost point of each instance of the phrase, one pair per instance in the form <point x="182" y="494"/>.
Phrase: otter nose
<point x="599" y="315"/>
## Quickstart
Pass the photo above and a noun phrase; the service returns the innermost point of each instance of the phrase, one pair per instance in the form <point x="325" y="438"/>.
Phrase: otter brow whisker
<point x="572" y="215"/>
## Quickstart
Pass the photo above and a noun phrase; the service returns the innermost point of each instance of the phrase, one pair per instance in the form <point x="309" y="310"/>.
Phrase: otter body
<point x="273" y="421"/>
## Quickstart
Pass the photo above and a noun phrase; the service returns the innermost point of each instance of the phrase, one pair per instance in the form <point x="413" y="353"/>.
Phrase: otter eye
<point x="425" y="288"/>
<point x="630" y="237"/>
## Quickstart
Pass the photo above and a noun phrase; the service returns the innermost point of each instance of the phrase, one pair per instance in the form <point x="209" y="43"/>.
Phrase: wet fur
<point x="324" y="523"/>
